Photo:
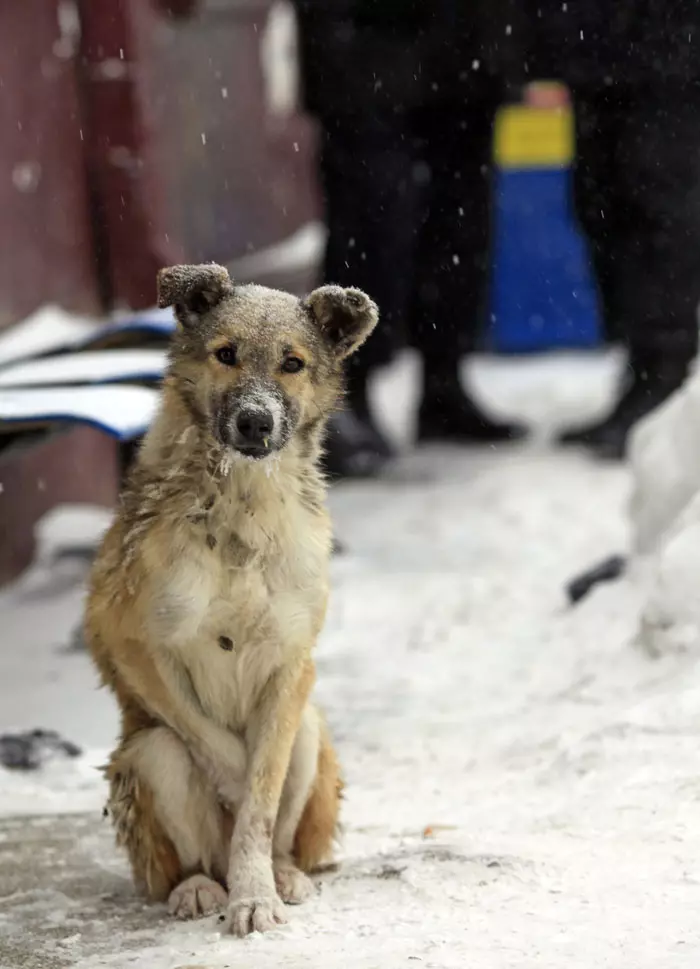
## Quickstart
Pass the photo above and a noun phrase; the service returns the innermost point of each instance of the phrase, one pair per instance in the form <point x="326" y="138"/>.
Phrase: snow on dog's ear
<point x="193" y="290"/>
<point x="346" y="317"/>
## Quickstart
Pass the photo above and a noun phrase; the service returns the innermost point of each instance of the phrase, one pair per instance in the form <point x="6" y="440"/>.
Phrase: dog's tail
<point x="610" y="568"/>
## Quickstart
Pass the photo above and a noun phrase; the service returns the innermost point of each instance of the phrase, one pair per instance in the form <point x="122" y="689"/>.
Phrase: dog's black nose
<point x="254" y="426"/>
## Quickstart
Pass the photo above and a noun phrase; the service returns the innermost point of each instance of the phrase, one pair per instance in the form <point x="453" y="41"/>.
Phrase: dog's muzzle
<point x="254" y="432"/>
<point x="252" y="423"/>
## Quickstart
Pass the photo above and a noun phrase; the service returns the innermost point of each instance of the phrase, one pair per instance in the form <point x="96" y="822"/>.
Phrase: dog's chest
<point x="248" y="591"/>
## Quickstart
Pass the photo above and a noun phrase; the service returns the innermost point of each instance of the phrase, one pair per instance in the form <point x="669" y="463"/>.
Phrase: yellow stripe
<point x="527" y="137"/>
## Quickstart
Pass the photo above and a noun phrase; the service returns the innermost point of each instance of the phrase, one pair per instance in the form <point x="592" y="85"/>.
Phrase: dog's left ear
<point x="346" y="317"/>
<point x="193" y="290"/>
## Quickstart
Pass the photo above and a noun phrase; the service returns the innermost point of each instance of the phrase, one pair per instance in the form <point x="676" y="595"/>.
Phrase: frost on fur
<point x="193" y="290"/>
<point x="345" y="316"/>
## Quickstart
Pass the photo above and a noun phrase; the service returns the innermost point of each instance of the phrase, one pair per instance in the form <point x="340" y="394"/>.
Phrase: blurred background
<point x="517" y="184"/>
<point x="505" y="178"/>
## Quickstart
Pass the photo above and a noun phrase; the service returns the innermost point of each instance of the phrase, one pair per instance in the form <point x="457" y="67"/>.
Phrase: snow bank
<point x="664" y="454"/>
<point x="665" y="517"/>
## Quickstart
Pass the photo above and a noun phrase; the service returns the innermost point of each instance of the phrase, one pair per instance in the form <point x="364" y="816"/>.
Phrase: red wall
<point x="132" y="139"/>
<point x="120" y="153"/>
<point x="45" y="228"/>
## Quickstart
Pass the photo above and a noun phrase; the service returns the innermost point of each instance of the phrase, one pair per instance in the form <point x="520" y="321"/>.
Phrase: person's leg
<point x="596" y="196"/>
<point x="654" y="261"/>
<point x="369" y="203"/>
<point x="368" y="199"/>
<point x="599" y="209"/>
<point x="451" y="269"/>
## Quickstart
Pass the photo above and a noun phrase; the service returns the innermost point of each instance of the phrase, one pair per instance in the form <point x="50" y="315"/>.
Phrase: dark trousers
<point x="452" y="151"/>
<point x="408" y="213"/>
<point x="366" y="176"/>
<point x="638" y="200"/>
<point x="407" y="210"/>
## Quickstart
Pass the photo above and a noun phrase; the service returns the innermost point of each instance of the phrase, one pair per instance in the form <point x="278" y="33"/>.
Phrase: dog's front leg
<point x="254" y="905"/>
<point x="165" y="689"/>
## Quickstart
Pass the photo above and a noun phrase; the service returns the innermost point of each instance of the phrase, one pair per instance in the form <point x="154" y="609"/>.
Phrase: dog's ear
<point x="193" y="290"/>
<point x="345" y="317"/>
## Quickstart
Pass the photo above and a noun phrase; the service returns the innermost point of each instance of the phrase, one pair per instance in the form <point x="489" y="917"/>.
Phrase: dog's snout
<point x="251" y="421"/>
<point x="255" y="426"/>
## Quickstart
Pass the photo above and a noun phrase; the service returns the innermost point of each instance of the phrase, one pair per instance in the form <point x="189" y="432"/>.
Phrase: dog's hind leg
<point x="168" y="818"/>
<point x="308" y="832"/>
<point x="292" y="885"/>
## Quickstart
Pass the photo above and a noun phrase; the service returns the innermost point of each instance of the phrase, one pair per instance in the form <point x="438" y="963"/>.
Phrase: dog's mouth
<point x="255" y="452"/>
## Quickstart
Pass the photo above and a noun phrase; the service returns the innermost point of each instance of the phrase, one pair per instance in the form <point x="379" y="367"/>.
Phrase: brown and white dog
<point x="209" y="593"/>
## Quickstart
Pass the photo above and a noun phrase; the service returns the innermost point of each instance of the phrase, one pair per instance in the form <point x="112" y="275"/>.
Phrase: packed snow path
<point x="523" y="781"/>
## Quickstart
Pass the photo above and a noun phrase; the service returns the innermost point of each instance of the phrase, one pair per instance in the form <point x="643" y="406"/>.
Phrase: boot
<point x="652" y="383"/>
<point x="448" y="413"/>
<point x="357" y="397"/>
<point x="351" y="450"/>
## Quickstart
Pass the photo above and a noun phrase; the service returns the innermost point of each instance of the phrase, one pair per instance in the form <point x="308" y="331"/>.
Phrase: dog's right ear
<point x="193" y="290"/>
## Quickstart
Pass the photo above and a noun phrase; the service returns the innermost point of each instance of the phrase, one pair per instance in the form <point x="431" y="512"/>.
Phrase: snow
<point x="123" y="411"/>
<point x="296" y="253"/>
<point x="96" y="367"/>
<point x="665" y="463"/>
<point x="665" y="521"/>
<point x="31" y="336"/>
<point x="523" y="779"/>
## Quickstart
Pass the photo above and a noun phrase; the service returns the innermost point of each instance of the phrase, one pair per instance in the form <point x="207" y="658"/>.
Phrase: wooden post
<point x="45" y="232"/>
<point x="130" y="209"/>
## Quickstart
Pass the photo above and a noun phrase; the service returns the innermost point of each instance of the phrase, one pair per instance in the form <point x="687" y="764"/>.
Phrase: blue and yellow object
<point x="543" y="295"/>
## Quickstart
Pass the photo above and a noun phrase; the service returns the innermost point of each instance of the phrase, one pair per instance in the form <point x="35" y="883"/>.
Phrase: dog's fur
<point x="208" y="595"/>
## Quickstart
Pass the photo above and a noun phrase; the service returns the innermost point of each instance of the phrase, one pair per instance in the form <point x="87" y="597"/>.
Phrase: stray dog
<point x="207" y="597"/>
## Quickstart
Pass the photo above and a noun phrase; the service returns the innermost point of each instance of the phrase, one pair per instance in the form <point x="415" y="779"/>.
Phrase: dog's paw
<point x="197" y="896"/>
<point x="293" y="885"/>
<point x="246" y="915"/>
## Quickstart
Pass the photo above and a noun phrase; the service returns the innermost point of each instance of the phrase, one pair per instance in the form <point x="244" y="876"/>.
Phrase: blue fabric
<point x="543" y="295"/>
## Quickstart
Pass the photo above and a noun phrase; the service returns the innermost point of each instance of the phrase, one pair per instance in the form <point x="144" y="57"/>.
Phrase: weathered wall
<point x="45" y="230"/>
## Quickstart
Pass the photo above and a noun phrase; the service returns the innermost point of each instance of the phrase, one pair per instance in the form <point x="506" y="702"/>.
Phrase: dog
<point x="208" y="594"/>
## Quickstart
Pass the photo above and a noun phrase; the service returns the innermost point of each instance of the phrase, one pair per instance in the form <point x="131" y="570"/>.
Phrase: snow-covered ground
<point x="523" y="780"/>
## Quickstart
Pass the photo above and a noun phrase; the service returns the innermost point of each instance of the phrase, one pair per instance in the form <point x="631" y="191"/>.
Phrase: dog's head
<point x="256" y="366"/>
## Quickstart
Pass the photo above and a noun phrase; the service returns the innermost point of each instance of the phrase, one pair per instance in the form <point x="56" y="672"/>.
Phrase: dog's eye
<point x="292" y="365"/>
<point x="226" y="355"/>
